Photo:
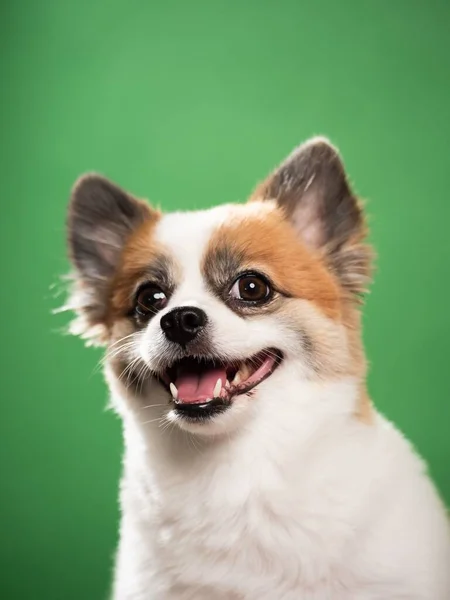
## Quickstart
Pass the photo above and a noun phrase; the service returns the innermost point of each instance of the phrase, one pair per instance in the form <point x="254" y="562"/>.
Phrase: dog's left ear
<point x="312" y="189"/>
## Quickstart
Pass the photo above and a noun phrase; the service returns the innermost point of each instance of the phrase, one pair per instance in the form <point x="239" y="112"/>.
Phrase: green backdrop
<point x="191" y="103"/>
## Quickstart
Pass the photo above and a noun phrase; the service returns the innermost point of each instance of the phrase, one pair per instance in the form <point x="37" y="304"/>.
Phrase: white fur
<point x="289" y="497"/>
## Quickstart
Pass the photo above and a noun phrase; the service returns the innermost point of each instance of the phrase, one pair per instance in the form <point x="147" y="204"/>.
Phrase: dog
<point x="255" y="465"/>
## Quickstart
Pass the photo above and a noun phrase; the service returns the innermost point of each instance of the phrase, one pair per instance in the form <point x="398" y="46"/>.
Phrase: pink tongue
<point x="198" y="387"/>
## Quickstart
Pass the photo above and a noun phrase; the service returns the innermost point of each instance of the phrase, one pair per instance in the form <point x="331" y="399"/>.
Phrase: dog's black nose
<point x="182" y="325"/>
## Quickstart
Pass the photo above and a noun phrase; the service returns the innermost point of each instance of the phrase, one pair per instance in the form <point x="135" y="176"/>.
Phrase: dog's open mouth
<point x="203" y="386"/>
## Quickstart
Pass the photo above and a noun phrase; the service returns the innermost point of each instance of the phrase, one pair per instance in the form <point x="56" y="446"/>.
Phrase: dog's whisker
<point x="131" y="335"/>
<point x="128" y="369"/>
<point x="142" y="377"/>
<point x="152" y="421"/>
<point x="110" y="354"/>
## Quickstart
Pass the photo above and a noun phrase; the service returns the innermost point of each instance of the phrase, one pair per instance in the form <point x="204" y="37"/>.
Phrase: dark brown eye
<point x="150" y="300"/>
<point x="250" y="288"/>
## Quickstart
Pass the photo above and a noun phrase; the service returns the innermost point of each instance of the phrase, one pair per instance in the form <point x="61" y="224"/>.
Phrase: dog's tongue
<point x="198" y="387"/>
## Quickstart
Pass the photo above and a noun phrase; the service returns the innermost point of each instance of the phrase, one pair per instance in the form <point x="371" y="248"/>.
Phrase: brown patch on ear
<point x="312" y="190"/>
<point x="269" y="243"/>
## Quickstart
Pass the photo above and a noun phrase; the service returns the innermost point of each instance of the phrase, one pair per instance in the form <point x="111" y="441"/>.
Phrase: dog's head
<point x="211" y="310"/>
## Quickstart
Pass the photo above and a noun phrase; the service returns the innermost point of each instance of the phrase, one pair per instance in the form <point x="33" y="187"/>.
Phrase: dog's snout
<point x="182" y="325"/>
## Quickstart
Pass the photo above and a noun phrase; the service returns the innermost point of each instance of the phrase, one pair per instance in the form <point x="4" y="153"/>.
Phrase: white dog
<point x="255" y="467"/>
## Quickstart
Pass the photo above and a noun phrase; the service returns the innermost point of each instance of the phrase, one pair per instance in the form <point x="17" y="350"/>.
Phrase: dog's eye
<point x="149" y="300"/>
<point x="250" y="288"/>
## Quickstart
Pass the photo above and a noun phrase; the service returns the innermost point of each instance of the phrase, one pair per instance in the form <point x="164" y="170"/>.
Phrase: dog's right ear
<point x="101" y="219"/>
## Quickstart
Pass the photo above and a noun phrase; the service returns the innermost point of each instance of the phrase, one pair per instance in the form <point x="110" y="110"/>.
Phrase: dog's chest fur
<point x="241" y="529"/>
<point x="258" y="519"/>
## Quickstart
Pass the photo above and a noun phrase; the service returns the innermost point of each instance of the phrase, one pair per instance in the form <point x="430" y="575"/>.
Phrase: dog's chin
<point x="209" y="395"/>
<point x="236" y="415"/>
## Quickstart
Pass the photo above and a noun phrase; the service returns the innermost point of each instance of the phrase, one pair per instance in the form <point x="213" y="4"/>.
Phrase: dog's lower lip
<point x="204" y="370"/>
<point x="201" y="411"/>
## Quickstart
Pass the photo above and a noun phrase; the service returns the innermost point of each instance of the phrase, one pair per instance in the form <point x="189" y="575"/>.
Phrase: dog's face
<point x="206" y="310"/>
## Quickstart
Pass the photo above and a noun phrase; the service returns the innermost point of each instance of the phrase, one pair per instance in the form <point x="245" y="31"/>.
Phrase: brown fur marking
<point x="137" y="256"/>
<point x="270" y="243"/>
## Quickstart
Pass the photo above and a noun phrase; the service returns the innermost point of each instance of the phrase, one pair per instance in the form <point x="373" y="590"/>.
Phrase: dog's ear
<point x="312" y="189"/>
<point x="101" y="218"/>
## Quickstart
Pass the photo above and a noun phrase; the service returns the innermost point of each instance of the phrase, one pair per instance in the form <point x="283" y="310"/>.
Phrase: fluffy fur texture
<point x="297" y="487"/>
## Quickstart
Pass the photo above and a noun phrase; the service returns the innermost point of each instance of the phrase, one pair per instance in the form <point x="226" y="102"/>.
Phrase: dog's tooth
<point x="217" y="388"/>
<point x="227" y="384"/>
<point x="174" y="391"/>
<point x="237" y="378"/>
<point x="244" y="372"/>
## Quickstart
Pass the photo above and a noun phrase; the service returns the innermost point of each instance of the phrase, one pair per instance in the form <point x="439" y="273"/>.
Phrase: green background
<point x="190" y="103"/>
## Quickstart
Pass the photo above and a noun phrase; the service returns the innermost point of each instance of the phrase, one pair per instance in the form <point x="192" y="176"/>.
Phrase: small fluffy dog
<point x="256" y="467"/>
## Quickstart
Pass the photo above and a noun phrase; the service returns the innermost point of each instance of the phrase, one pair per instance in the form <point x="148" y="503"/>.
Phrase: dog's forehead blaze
<point x="166" y="240"/>
<point x="266" y="241"/>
